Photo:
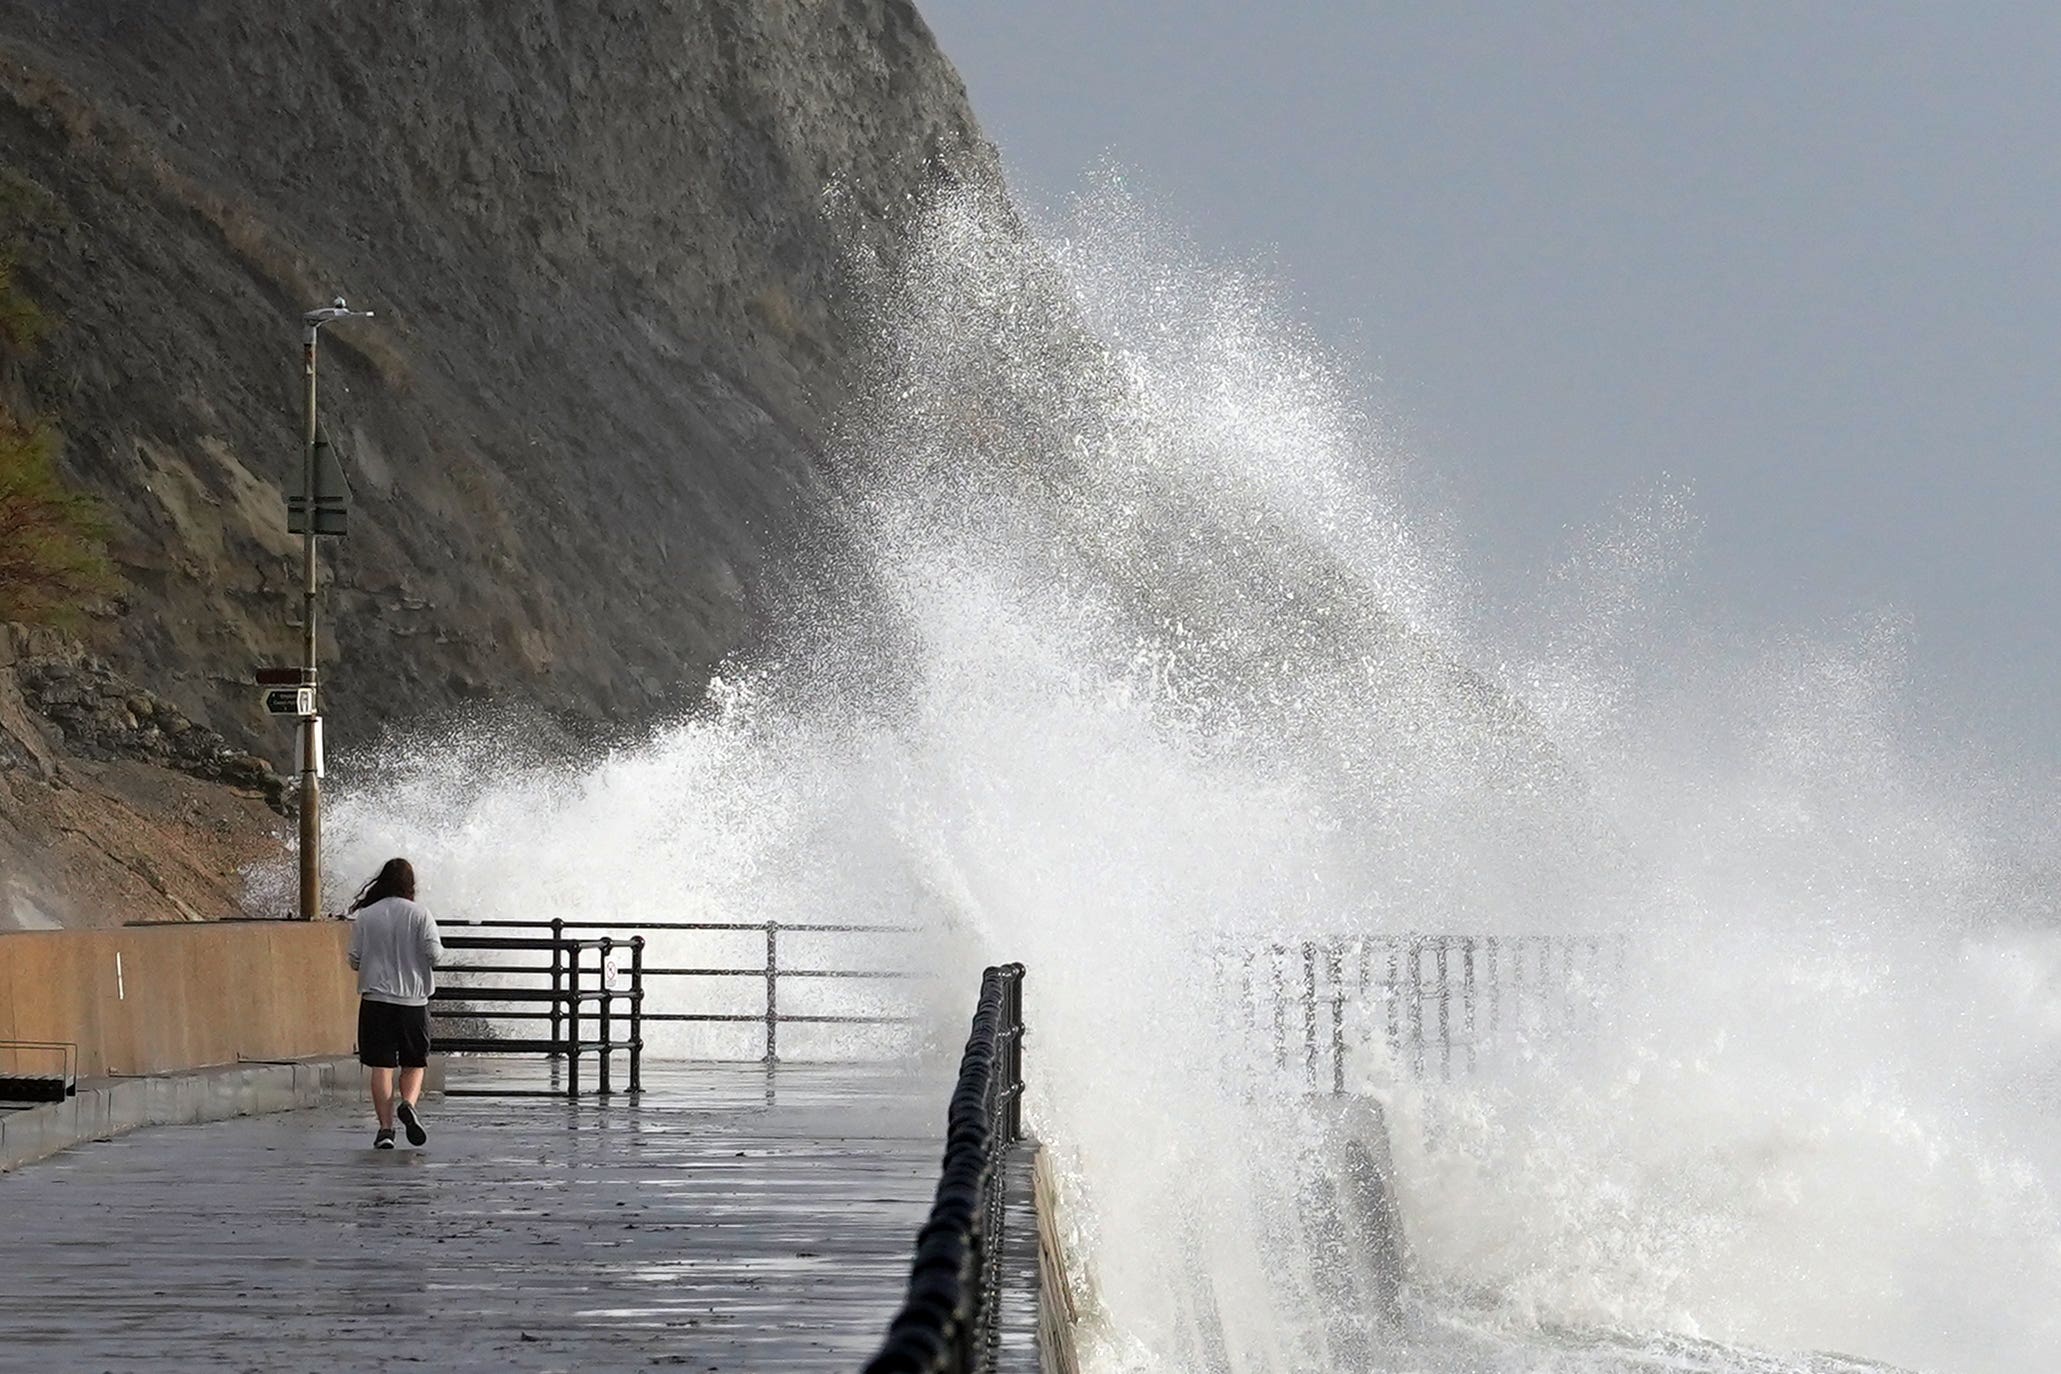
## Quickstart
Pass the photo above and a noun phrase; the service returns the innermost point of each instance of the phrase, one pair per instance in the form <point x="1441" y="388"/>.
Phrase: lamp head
<point x="337" y="309"/>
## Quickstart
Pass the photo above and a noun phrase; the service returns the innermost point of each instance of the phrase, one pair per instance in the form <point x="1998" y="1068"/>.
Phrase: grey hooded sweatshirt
<point x="395" y="948"/>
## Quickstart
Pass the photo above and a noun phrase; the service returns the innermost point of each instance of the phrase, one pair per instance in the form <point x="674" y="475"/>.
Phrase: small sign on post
<point x="290" y="701"/>
<point x="332" y="495"/>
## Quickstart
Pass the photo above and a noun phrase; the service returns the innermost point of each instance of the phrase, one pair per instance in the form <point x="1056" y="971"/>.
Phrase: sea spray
<point x="1146" y="657"/>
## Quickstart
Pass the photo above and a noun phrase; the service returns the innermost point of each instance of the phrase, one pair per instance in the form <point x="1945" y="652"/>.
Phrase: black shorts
<point x="392" y="1037"/>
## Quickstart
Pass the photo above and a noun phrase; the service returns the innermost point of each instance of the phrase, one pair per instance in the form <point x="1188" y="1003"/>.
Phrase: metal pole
<point x="1445" y="1012"/>
<point x="636" y="1014"/>
<point x="557" y="985"/>
<point x="1309" y="1012"/>
<point x="1335" y="967"/>
<point x="1417" y="1008"/>
<point x="572" y="1018"/>
<point x="607" y="1018"/>
<point x="311" y="725"/>
<point x="1467" y="1002"/>
<point x="772" y="993"/>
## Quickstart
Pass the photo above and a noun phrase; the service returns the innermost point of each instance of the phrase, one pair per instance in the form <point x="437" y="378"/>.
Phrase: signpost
<point x="324" y="495"/>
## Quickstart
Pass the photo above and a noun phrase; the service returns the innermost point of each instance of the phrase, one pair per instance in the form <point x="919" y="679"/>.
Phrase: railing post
<point x="1395" y="1004"/>
<point x="1567" y="982"/>
<point x="607" y="1018"/>
<point x="1309" y="1012"/>
<point x="1495" y="992"/>
<point x="772" y="992"/>
<point x="636" y="1014"/>
<point x="572" y="1020"/>
<point x="1334" y="967"/>
<point x="1279" y="982"/>
<point x="1416" y="1007"/>
<point x="1445" y="1011"/>
<point x="1467" y="1002"/>
<point x="557" y="980"/>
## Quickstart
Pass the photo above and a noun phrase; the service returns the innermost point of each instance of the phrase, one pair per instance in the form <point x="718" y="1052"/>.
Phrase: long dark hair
<point x="396" y="879"/>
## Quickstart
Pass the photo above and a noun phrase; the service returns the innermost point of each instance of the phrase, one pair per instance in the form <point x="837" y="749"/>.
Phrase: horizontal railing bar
<point x="783" y="972"/>
<point x="758" y="1018"/>
<point x="504" y="1092"/>
<point x="456" y="992"/>
<point x="469" y="1015"/>
<point x="516" y="942"/>
<point x="1323" y="942"/>
<point x="800" y="927"/>
<point x="532" y="1045"/>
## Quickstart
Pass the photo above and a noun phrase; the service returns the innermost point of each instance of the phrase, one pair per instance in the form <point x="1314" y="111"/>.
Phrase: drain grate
<point x="33" y="1088"/>
<point x="54" y="1079"/>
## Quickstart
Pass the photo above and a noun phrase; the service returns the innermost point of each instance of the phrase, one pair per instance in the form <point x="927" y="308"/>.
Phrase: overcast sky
<point x="1799" y="257"/>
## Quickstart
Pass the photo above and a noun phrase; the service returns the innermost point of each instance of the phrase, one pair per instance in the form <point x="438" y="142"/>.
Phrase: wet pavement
<point x="728" y="1220"/>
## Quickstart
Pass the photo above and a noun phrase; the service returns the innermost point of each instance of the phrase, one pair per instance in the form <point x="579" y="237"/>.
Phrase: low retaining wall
<point x="161" y="999"/>
<point x="109" y="1108"/>
<point x="1056" y="1315"/>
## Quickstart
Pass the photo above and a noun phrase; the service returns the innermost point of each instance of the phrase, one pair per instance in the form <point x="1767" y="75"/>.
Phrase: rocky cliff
<point x="620" y="256"/>
<point x="114" y="806"/>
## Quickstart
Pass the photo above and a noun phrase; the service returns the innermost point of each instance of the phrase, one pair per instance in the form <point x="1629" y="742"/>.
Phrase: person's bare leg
<point x="382" y="1084"/>
<point x="411" y="1086"/>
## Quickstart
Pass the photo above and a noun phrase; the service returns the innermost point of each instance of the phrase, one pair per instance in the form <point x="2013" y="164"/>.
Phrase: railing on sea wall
<point x="574" y="994"/>
<point x="1437" y="1004"/>
<point x="773" y="1013"/>
<point x="950" y="1322"/>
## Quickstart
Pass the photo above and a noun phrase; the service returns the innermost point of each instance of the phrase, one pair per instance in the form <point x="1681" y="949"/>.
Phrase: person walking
<point x="395" y="948"/>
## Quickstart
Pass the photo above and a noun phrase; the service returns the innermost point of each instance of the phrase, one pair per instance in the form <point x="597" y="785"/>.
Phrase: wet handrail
<point x="950" y="1320"/>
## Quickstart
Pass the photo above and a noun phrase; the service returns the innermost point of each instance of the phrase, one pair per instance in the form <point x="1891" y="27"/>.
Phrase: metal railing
<point x="575" y="996"/>
<point x="1441" y="1002"/>
<point x="771" y="1017"/>
<point x="950" y="1323"/>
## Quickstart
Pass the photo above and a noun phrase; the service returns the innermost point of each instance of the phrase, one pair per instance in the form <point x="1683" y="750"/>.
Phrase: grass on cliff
<point x="53" y="538"/>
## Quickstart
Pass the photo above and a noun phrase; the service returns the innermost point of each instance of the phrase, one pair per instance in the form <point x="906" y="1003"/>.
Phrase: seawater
<point x="1142" y="650"/>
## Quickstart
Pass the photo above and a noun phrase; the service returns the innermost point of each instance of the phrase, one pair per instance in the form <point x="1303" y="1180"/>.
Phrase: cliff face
<point x="113" y="805"/>
<point x="619" y="255"/>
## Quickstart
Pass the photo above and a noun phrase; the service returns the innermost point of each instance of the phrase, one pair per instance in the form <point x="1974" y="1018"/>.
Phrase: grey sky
<point x="1800" y="257"/>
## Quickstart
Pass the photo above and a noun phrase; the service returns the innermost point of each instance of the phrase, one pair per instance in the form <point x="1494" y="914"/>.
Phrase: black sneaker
<point x="383" y="1139"/>
<point x="413" y="1123"/>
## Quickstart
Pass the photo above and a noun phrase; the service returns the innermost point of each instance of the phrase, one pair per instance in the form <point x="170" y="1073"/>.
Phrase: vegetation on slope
<point x="53" y="538"/>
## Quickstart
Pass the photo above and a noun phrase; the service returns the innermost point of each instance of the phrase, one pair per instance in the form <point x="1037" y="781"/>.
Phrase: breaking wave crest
<point x="1143" y="655"/>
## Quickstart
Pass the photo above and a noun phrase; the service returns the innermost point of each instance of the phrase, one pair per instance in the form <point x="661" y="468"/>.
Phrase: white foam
<point x="1149" y="653"/>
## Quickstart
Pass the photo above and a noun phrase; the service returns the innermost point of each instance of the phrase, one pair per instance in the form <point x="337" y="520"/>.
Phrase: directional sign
<point x="290" y="701"/>
<point x="279" y="677"/>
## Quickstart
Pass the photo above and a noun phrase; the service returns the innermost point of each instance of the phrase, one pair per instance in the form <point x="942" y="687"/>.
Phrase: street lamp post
<point x="311" y="723"/>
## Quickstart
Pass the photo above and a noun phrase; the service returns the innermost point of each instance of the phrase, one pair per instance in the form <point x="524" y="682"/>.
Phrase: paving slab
<point x="730" y="1219"/>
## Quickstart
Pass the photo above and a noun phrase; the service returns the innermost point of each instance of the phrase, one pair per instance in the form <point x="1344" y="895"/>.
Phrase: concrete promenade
<point x="728" y="1220"/>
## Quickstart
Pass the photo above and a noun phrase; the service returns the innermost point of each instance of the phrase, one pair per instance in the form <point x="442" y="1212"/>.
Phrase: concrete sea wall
<point x="162" y="999"/>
